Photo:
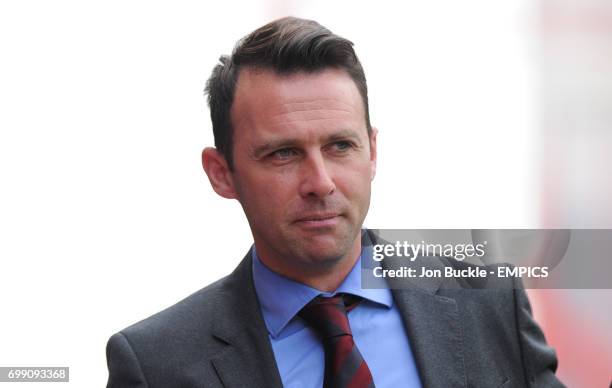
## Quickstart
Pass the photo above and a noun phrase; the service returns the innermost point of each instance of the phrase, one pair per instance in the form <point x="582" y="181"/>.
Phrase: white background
<point x="106" y="216"/>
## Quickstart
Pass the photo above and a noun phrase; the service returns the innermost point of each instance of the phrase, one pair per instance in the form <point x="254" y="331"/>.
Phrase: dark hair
<point x="286" y="46"/>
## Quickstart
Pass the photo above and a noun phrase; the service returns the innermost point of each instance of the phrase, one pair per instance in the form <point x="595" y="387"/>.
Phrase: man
<point x="295" y="147"/>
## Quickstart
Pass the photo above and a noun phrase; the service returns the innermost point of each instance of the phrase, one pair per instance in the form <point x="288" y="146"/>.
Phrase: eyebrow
<point x="258" y="150"/>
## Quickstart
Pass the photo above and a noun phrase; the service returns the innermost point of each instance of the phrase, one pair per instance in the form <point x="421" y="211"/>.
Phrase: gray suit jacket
<point x="217" y="338"/>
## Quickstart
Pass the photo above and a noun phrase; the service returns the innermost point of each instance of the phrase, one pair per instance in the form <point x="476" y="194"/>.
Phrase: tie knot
<point x="327" y="315"/>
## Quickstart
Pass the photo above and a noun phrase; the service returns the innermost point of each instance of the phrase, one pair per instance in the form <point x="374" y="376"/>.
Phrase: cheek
<point x="356" y="185"/>
<point x="265" y="195"/>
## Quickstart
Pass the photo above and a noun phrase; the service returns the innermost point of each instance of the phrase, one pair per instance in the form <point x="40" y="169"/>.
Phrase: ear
<point x="373" y="153"/>
<point x="218" y="172"/>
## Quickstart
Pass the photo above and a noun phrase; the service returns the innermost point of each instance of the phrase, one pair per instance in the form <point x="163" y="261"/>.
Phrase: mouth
<point x="318" y="220"/>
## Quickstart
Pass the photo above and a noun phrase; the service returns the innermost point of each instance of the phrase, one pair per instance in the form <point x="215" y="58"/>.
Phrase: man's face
<point x="303" y="164"/>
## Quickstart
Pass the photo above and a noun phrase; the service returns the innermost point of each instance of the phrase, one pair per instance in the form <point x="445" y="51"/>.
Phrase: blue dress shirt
<point x="376" y="324"/>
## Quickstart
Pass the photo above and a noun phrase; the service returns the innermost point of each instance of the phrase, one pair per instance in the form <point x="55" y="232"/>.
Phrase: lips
<point x="319" y="222"/>
<point x="317" y="217"/>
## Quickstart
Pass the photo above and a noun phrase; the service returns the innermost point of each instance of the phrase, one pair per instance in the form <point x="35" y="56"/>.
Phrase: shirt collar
<point x="282" y="298"/>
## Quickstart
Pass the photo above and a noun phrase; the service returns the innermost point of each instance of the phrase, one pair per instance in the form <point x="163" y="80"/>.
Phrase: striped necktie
<point x="344" y="365"/>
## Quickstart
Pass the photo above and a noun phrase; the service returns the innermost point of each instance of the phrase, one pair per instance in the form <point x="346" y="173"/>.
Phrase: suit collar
<point x="429" y="285"/>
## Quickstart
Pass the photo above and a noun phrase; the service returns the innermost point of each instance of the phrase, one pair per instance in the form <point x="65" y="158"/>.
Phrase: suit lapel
<point x="245" y="364"/>
<point x="247" y="359"/>
<point x="434" y="330"/>
<point x="431" y="321"/>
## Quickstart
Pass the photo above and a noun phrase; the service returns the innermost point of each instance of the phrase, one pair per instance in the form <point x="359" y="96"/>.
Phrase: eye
<point x="283" y="153"/>
<point x="343" y="145"/>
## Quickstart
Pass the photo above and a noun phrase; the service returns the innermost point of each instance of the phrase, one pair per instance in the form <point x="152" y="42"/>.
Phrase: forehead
<point x="265" y="100"/>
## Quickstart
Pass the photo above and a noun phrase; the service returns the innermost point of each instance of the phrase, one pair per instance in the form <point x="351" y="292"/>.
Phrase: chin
<point x="329" y="246"/>
<point x="325" y="250"/>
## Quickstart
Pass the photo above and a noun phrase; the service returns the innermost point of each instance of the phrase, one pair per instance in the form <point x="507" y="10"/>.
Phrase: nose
<point x="316" y="179"/>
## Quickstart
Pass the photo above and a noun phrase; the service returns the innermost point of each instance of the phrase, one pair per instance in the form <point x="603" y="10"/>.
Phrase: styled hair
<point x="285" y="46"/>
